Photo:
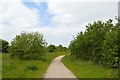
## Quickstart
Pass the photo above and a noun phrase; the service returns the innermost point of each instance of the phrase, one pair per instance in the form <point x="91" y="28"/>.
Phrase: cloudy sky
<point x="57" y="20"/>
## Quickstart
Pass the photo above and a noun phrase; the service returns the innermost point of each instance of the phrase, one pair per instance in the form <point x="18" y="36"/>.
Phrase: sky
<point x="57" y="20"/>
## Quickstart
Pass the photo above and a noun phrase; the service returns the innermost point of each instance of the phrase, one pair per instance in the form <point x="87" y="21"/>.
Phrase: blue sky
<point x="45" y="17"/>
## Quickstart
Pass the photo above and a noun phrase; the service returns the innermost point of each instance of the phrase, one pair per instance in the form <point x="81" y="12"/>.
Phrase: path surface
<point x="58" y="70"/>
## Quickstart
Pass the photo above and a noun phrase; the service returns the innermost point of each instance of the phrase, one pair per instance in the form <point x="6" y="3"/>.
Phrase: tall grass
<point x="87" y="69"/>
<point x="0" y="65"/>
<point x="16" y="68"/>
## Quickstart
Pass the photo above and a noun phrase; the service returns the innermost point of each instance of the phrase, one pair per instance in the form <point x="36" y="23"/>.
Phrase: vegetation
<point x="4" y="45"/>
<point x="53" y="48"/>
<point x="17" y="68"/>
<point x="99" y="43"/>
<point x="0" y="65"/>
<point x="61" y="48"/>
<point x="28" y="46"/>
<point x="87" y="69"/>
<point x="28" y="56"/>
<point x="93" y="54"/>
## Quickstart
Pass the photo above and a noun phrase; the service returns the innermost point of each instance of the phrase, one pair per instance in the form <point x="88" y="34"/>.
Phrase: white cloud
<point x="74" y="15"/>
<point x="15" y="18"/>
<point x="82" y="11"/>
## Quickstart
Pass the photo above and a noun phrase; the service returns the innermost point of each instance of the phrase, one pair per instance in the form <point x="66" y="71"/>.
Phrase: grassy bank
<point x="87" y="69"/>
<point x="16" y="68"/>
<point x="0" y="65"/>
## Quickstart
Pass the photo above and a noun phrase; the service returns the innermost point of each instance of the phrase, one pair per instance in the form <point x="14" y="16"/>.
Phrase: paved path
<point x="57" y="70"/>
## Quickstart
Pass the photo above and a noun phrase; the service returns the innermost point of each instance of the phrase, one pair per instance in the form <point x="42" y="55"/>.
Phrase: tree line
<point x="28" y="46"/>
<point x="100" y="42"/>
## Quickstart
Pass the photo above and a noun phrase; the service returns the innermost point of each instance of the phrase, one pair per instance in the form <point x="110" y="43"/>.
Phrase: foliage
<point x="52" y="48"/>
<point x="100" y="43"/>
<point x="61" y="48"/>
<point x="110" y="48"/>
<point x="28" y="46"/>
<point x="4" y="45"/>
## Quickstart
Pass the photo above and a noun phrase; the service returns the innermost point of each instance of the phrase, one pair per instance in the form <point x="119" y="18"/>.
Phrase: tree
<point x="100" y="43"/>
<point x="4" y="45"/>
<point x="52" y="48"/>
<point x="28" y="46"/>
<point x="61" y="48"/>
<point x="110" y="49"/>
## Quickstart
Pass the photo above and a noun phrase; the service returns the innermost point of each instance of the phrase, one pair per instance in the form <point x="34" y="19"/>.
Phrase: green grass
<point x="16" y="68"/>
<point x="0" y="65"/>
<point x="87" y="69"/>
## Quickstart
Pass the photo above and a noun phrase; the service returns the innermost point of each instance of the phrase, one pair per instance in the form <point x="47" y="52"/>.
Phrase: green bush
<point x="28" y="46"/>
<point x="52" y="48"/>
<point x="61" y="48"/>
<point x="110" y="49"/>
<point x="100" y="43"/>
<point x="4" y="45"/>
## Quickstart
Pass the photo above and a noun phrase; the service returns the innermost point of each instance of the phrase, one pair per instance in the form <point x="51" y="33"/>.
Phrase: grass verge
<point x="16" y="68"/>
<point x="0" y="65"/>
<point x="87" y="69"/>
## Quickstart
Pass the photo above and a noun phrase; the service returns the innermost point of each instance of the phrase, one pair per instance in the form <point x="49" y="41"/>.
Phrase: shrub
<point x="28" y="46"/>
<point x="4" y="45"/>
<point x="52" y="48"/>
<point x="100" y="43"/>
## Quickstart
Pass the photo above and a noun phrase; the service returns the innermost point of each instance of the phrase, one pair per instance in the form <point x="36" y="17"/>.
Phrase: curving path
<point x="57" y="70"/>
